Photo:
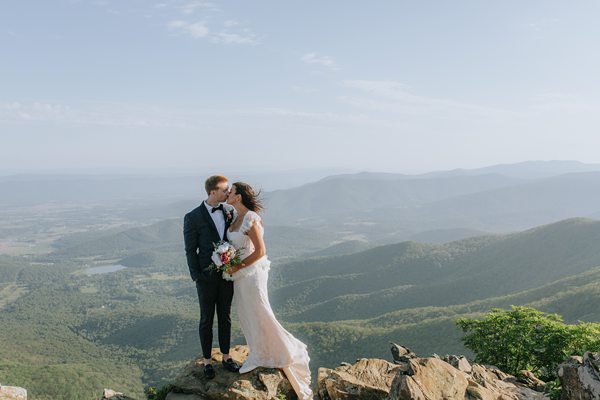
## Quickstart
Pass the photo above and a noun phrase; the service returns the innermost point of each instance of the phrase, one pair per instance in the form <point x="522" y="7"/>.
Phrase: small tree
<point x="525" y="338"/>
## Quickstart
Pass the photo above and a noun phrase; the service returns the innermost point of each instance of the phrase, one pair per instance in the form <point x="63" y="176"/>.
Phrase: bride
<point x="270" y="344"/>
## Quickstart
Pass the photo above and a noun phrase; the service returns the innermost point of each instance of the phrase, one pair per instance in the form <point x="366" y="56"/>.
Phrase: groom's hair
<point x="213" y="181"/>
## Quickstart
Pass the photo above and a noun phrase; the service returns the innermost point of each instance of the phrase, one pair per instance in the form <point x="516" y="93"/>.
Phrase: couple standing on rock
<point x="231" y="214"/>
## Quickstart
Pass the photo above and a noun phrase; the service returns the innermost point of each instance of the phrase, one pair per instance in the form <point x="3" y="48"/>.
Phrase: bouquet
<point x="224" y="257"/>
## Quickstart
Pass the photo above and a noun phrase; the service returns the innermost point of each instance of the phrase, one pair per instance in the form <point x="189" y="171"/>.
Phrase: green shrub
<point x="524" y="338"/>
<point x="161" y="394"/>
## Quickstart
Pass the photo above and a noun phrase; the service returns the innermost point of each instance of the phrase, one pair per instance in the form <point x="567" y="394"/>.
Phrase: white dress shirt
<point x="218" y="218"/>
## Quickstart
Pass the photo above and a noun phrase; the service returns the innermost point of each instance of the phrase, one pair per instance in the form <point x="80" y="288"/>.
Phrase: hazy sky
<point x="401" y="86"/>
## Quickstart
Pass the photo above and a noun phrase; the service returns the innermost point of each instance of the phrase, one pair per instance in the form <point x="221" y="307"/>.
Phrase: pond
<point x="104" y="269"/>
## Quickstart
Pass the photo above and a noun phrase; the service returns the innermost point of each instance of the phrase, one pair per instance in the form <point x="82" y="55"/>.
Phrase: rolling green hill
<point x="163" y="242"/>
<point x="429" y="330"/>
<point x="408" y="275"/>
<point x="138" y="326"/>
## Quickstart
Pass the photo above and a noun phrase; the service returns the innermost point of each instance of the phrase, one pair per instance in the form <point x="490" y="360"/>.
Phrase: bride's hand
<point x="235" y="269"/>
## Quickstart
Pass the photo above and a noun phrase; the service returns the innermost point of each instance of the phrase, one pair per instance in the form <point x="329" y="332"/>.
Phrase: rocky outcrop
<point x="259" y="384"/>
<point x="368" y="379"/>
<point x="431" y="378"/>
<point x="580" y="377"/>
<point x="408" y="377"/>
<point x="12" y="393"/>
<point x="455" y="378"/>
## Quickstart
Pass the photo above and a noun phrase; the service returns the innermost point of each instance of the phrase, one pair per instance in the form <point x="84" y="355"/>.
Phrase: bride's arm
<point x="259" y="248"/>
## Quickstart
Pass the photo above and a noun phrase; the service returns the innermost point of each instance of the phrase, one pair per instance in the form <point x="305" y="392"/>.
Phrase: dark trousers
<point x="215" y="295"/>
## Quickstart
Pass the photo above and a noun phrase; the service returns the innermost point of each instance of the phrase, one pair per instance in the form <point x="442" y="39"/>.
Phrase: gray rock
<point x="580" y="377"/>
<point x="528" y="378"/>
<point x="401" y="354"/>
<point x="12" y="393"/>
<point x="109" y="394"/>
<point x="368" y="379"/>
<point x="459" y="362"/>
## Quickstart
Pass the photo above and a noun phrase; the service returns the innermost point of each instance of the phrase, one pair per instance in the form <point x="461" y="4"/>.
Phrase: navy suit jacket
<point x="199" y="234"/>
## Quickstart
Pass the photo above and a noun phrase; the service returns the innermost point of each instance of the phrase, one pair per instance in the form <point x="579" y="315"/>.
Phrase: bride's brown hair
<point x="250" y="199"/>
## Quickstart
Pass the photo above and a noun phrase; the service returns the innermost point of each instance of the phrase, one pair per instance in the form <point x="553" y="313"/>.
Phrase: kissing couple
<point x="232" y="214"/>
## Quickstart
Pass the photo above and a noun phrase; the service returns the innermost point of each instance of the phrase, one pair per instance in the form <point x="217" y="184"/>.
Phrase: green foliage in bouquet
<point x="524" y="338"/>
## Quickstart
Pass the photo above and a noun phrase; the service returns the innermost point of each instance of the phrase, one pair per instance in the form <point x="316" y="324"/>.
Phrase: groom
<point x="203" y="226"/>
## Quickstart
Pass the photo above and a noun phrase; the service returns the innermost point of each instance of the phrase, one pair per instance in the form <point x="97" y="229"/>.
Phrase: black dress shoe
<point x="231" y="365"/>
<point x="209" y="371"/>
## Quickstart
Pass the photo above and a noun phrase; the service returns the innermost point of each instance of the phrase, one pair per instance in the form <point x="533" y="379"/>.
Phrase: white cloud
<point x="304" y="89"/>
<point x="381" y="88"/>
<point x="127" y="115"/>
<point x="210" y="26"/>
<point x="98" y="114"/>
<point x="176" y="24"/>
<point x="195" y="30"/>
<point x="541" y="24"/>
<point x="397" y="98"/>
<point x="191" y="7"/>
<point x="324" y="61"/>
<point x="234" y="38"/>
<point x="199" y="30"/>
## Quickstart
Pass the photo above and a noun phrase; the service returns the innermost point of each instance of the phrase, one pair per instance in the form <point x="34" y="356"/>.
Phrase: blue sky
<point x="406" y="86"/>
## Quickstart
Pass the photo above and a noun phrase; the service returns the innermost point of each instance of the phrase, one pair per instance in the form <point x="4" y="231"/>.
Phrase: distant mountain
<point x="156" y="187"/>
<point x="510" y="207"/>
<point x="410" y="275"/>
<point x="521" y="170"/>
<point x="524" y="170"/>
<point x="344" y="195"/>
<point x="146" y="187"/>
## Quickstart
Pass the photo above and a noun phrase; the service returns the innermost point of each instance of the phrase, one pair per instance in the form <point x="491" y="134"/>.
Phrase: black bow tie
<point x="220" y="207"/>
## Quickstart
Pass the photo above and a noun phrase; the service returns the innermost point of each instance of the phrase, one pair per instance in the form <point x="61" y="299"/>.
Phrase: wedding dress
<point x="270" y="344"/>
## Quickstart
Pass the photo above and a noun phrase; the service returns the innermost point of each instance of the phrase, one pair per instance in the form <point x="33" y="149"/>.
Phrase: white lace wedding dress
<point x="270" y="344"/>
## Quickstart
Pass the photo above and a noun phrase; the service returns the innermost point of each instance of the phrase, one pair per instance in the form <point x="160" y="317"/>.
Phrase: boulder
<point x="580" y="377"/>
<point x="429" y="378"/>
<point x="459" y="362"/>
<point x="455" y="378"/>
<point x="109" y="394"/>
<point x="259" y="384"/>
<point x="12" y="393"/>
<point x="501" y="384"/>
<point x="368" y="379"/>
<point x="401" y="354"/>
<point x="530" y="380"/>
